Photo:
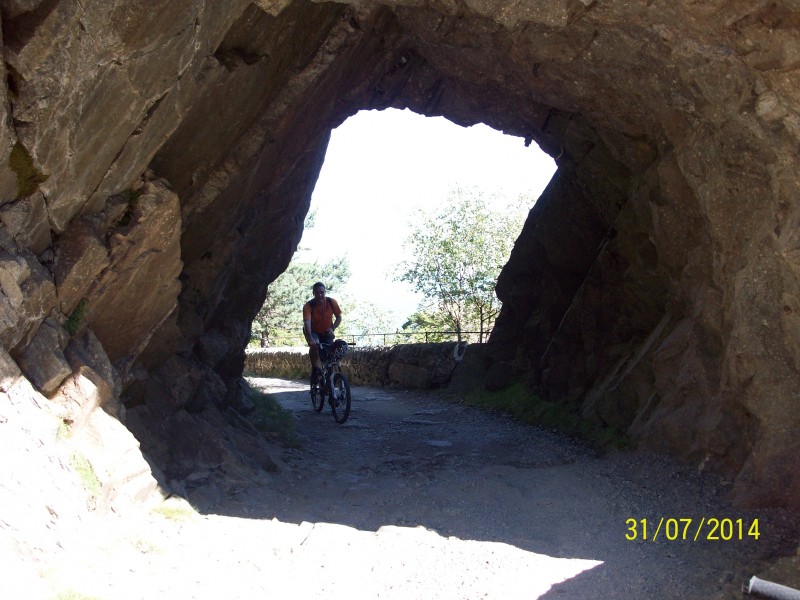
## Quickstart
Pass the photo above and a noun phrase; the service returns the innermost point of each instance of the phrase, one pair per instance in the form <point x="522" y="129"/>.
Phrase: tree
<point x="433" y="324"/>
<point x="362" y="318"/>
<point x="458" y="252"/>
<point x="280" y="322"/>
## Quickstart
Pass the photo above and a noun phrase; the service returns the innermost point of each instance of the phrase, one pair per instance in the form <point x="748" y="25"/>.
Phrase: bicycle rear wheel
<point x="340" y="398"/>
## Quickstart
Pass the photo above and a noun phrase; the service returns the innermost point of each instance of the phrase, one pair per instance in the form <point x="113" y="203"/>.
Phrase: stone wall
<point x="414" y="366"/>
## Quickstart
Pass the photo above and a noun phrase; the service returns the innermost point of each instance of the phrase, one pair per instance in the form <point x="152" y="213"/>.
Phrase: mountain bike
<point x="332" y="383"/>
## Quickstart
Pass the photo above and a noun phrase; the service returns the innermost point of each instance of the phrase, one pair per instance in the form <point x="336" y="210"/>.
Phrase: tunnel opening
<point x="629" y="268"/>
<point x="383" y="172"/>
<point x="174" y="149"/>
<point x="653" y="288"/>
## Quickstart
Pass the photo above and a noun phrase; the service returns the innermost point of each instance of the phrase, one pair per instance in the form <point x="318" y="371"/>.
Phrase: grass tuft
<point x="272" y="419"/>
<point x="81" y="465"/>
<point x="529" y="408"/>
<point x="76" y="318"/>
<point x="28" y="176"/>
<point x="176" y="511"/>
<point x="132" y="197"/>
<point x="64" y="431"/>
<point x="73" y="595"/>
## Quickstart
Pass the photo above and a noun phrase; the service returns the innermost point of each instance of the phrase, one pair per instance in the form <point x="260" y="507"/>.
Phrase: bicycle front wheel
<point x="340" y="398"/>
<point x="317" y="397"/>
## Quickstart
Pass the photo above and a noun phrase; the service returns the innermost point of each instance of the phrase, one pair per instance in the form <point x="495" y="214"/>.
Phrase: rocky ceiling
<point x="159" y="159"/>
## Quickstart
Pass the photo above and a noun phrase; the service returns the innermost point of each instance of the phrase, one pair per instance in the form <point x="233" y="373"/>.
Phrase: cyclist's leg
<point x="313" y="355"/>
<point x="324" y="347"/>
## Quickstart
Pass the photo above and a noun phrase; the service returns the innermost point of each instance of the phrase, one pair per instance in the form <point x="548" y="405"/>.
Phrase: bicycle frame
<point x="329" y="367"/>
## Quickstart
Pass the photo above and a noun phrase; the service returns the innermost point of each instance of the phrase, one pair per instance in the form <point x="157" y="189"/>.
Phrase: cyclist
<point x="321" y="317"/>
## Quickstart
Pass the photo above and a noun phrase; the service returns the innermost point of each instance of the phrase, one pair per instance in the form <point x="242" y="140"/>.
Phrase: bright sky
<point x="381" y="166"/>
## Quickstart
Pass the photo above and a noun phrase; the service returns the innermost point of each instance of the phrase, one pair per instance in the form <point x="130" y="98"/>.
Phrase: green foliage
<point x="131" y="196"/>
<point x="427" y="321"/>
<point x="145" y="546"/>
<point x="177" y="512"/>
<point x="457" y="253"/>
<point x="280" y="320"/>
<point x="529" y="408"/>
<point x="64" y="431"/>
<point x="28" y="176"/>
<point x="515" y="400"/>
<point x="272" y="419"/>
<point x="73" y="595"/>
<point x="363" y="317"/>
<point x="81" y="465"/>
<point x="76" y="318"/>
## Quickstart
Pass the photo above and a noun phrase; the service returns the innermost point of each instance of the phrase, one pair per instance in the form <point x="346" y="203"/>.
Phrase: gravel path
<point x="454" y="502"/>
<point x="421" y="497"/>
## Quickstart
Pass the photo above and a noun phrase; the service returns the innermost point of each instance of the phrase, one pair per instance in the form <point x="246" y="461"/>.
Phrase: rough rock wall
<point x="675" y="319"/>
<point x="157" y="159"/>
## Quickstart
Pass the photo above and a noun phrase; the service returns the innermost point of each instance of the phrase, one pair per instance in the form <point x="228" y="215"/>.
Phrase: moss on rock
<point x="28" y="176"/>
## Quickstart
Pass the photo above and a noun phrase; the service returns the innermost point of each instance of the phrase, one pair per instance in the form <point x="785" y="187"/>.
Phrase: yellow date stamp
<point x="693" y="529"/>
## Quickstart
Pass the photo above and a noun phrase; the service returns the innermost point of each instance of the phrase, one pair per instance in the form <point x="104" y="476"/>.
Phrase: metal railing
<point x="396" y="337"/>
<point x="406" y="337"/>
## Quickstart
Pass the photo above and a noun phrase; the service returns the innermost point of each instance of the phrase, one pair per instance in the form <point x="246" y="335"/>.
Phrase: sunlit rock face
<point x="158" y="160"/>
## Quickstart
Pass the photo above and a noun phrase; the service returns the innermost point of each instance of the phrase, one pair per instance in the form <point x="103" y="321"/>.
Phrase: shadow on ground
<point x="428" y="477"/>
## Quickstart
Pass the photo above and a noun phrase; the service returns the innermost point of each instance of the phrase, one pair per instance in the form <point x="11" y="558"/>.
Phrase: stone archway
<point x="161" y="159"/>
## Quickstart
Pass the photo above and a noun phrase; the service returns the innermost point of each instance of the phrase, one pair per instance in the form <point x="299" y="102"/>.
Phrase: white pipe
<point x="774" y="591"/>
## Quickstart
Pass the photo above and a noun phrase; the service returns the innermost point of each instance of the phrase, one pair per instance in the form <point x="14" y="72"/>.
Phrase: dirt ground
<point x="417" y="496"/>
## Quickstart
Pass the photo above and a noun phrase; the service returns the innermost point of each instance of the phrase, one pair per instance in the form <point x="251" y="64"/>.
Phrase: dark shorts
<point x="327" y="340"/>
<point x="322" y="338"/>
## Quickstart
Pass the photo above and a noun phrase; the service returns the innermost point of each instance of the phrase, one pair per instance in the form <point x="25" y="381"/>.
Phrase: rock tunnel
<point x="159" y="158"/>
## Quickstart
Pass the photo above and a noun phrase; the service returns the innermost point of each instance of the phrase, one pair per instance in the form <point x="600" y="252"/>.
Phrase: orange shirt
<point x="321" y="314"/>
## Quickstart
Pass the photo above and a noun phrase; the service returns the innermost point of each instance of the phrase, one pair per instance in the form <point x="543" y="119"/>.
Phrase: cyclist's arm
<point x="307" y="329"/>
<point x="337" y="313"/>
